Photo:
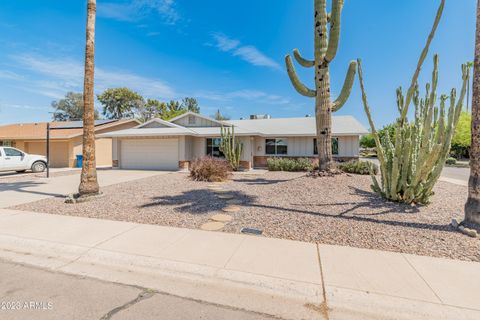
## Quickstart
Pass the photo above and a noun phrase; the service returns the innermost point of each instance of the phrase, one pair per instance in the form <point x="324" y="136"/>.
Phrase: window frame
<point x="209" y="148"/>
<point x="335" y="148"/>
<point x="276" y="145"/>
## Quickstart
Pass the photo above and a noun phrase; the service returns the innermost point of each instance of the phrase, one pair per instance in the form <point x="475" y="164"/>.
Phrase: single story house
<point x="172" y="145"/>
<point x="65" y="139"/>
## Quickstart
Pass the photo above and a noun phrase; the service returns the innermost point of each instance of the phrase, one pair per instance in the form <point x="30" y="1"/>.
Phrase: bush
<point x="210" y="169"/>
<point x="358" y="167"/>
<point x="367" y="141"/>
<point x="287" y="164"/>
<point x="451" y="161"/>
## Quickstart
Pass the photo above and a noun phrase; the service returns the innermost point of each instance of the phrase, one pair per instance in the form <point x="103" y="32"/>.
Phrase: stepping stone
<point x="212" y="226"/>
<point x="220" y="190"/>
<point x="225" y="196"/>
<point x="234" y="201"/>
<point x="221" y="218"/>
<point x="231" y="208"/>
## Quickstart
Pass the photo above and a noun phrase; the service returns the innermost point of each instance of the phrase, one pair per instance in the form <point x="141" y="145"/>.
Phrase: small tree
<point x="70" y="108"/>
<point x="231" y="148"/>
<point x="219" y="116"/>
<point x="151" y="109"/>
<point x="190" y="104"/>
<point x="462" y="139"/>
<point x="119" y="103"/>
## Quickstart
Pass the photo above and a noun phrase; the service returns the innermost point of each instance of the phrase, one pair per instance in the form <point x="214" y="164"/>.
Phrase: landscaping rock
<point x="455" y="223"/>
<point x="212" y="226"/>
<point x="469" y="232"/>
<point x="221" y="218"/>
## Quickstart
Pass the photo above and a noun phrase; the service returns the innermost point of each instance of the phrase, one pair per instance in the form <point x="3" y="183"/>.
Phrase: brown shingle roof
<point x="21" y="131"/>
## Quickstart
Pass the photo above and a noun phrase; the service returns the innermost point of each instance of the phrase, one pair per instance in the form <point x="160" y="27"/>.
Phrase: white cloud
<point x="21" y="106"/>
<point x="249" y="95"/>
<point x="136" y="10"/>
<point x="5" y="74"/>
<point x="62" y="75"/>
<point x="247" y="53"/>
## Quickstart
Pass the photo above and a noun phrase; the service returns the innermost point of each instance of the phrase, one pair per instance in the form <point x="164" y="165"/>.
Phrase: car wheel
<point x="21" y="171"/>
<point x="39" y="166"/>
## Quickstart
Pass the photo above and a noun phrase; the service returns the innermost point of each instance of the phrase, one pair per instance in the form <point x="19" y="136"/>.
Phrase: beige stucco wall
<point x="103" y="151"/>
<point x="58" y="151"/>
<point x="348" y="146"/>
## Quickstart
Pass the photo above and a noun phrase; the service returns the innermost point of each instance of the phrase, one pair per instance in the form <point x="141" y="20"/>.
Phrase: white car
<point x="12" y="159"/>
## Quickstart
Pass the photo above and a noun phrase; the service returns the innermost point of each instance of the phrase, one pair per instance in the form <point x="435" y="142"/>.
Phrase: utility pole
<point x="48" y="149"/>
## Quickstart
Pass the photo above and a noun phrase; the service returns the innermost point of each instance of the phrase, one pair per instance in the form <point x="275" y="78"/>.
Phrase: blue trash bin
<point x="79" y="160"/>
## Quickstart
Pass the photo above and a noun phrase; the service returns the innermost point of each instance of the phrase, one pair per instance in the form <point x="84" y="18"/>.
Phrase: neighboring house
<point x="170" y="145"/>
<point x="65" y="139"/>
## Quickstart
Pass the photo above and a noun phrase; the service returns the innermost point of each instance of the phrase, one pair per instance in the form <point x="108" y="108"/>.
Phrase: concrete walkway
<point x="30" y="188"/>
<point x="283" y="278"/>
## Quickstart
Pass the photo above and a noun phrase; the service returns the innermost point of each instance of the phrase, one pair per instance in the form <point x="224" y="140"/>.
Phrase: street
<point x="33" y="293"/>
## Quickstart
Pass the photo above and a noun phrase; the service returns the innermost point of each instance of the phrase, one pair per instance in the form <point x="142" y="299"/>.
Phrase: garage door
<point x="149" y="154"/>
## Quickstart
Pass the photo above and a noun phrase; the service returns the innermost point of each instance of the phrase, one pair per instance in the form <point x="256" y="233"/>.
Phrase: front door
<point x="13" y="159"/>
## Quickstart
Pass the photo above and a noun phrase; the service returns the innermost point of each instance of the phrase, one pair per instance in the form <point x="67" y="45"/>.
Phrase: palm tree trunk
<point x="88" y="182"/>
<point x="472" y="207"/>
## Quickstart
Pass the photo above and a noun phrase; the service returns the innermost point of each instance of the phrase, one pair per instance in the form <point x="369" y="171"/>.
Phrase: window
<point x="276" y="146"/>
<point x="7" y="143"/>
<point x="213" y="147"/>
<point x="9" y="152"/>
<point x="334" y="146"/>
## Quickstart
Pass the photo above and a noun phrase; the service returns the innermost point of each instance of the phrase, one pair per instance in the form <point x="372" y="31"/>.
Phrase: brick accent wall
<point x="246" y="165"/>
<point x="183" y="165"/>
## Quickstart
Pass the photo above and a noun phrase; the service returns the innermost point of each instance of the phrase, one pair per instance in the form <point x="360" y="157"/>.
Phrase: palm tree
<point x="472" y="207"/>
<point x="88" y="180"/>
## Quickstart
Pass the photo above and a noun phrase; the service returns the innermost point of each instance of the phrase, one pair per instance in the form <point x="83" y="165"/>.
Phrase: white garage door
<point x="149" y="154"/>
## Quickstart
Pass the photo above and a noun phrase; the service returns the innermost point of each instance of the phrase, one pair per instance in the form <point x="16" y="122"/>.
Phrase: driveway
<point x="27" y="189"/>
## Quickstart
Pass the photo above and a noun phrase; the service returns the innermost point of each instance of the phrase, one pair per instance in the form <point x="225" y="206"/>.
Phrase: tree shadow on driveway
<point x="199" y="201"/>
<point x="20" y="186"/>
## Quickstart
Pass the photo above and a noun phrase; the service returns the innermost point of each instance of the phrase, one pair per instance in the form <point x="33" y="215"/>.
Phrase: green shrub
<point x="367" y="141"/>
<point x="358" y="167"/>
<point x="288" y="164"/>
<point x="210" y="169"/>
<point x="451" y="161"/>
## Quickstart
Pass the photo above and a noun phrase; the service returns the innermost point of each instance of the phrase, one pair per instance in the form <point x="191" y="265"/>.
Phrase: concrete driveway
<point x="28" y="189"/>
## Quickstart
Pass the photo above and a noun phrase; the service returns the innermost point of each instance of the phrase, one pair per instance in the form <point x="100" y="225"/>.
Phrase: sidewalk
<point x="282" y="278"/>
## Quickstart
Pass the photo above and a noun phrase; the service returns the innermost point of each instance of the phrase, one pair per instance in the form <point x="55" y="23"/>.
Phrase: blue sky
<point x="227" y="54"/>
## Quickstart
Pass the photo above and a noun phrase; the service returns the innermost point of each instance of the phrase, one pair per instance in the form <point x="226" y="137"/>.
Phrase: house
<point x="172" y="145"/>
<point x="65" y="139"/>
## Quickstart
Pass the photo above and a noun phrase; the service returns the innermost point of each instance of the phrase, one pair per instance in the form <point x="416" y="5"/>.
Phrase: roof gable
<point x="192" y="119"/>
<point x="157" y="123"/>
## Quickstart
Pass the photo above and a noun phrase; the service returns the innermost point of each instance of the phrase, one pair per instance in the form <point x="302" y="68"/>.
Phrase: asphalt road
<point x="33" y="293"/>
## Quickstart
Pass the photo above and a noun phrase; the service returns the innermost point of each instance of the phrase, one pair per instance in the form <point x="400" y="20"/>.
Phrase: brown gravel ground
<point x="338" y="210"/>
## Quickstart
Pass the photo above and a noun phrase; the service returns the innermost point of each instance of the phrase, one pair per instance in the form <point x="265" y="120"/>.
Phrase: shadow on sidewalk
<point x="20" y="186"/>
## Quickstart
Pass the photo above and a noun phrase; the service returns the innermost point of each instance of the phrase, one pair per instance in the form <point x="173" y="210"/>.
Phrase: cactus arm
<point x="347" y="87"/>
<point x="411" y="89"/>
<point x="463" y="91"/>
<point x="380" y="151"/>
<point x="337" y="6"/>
<point x="298" y="85"/>
<point x="302" y="61"/>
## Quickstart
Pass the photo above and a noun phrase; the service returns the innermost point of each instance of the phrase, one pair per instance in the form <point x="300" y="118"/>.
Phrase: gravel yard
<point x="337" y="210"/>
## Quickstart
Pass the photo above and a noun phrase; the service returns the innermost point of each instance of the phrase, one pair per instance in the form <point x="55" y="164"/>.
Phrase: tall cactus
<point x="412" y="163"/>
<point x="326" y="45"/>
<point x="231" y="148"/>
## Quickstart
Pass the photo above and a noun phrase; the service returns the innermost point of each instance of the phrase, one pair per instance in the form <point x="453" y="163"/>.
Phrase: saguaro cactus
<point x="231" y="148"/>
<point x="326" y="45"/>
<point x="411" y="164"/>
